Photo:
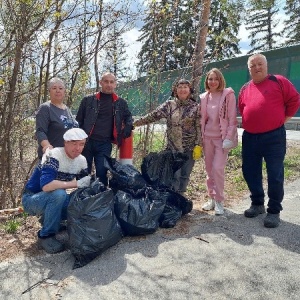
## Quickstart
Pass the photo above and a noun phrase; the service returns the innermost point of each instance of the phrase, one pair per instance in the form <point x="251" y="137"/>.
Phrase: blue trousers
<point x="270" y="146"/>
<point x="94" y="151"/>
<point x="51" y="205"/>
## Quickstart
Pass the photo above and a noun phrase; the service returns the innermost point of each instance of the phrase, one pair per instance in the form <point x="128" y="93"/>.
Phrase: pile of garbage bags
<point x="137" y="203"/>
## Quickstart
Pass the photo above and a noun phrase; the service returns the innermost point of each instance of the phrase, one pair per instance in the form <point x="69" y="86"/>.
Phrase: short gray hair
<point x="108" y="74"/>
<point x="257" y="55"/>
<point x="55" y="80"/>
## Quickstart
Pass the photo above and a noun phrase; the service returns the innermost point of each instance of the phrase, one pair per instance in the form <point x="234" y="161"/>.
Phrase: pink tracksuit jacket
<point x="215" y="156"/>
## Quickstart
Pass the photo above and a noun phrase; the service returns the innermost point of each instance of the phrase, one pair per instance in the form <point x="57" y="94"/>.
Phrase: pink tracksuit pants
<point x="215" y="158"/>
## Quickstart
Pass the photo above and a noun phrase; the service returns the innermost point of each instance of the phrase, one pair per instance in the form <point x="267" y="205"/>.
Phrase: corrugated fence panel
<point x="146" y="93"/>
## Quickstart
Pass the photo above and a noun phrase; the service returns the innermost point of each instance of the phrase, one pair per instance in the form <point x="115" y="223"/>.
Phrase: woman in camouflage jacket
<point x="183" y="128"/>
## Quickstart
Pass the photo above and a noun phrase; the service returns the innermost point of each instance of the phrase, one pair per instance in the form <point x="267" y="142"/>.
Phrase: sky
<point x="134" y="46"/>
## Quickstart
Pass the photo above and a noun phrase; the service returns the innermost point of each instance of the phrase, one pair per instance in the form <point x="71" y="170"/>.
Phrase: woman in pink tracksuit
<point x="219" y="134"/>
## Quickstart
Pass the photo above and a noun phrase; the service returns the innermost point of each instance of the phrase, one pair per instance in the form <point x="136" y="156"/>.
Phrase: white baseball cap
<point x="74" y="134"/>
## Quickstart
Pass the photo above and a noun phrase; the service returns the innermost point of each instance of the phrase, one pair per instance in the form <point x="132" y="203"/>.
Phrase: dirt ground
<point x="23" y="242"/>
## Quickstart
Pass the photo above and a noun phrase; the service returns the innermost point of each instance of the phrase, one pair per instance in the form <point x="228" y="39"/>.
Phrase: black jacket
<point x="88" y="111"/>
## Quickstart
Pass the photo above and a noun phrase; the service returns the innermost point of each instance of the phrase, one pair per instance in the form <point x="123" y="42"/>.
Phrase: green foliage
<point x="156" y="141"/>
<point x="237" y="151"/>
<point x="292" y="24"/>
<point x="262" y="22"/>
<point x="158" y="37"/>
<point x="291" y="163"/>
<point x="147" y="140"/>
<point x="225" y="22"/>
<point x="239" y="181"/>
<point x="170" y="30"/>
<point x="11" y="226"/>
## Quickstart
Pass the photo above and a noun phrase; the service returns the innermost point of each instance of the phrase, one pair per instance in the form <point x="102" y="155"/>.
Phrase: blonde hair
<point x="220" y="77"/>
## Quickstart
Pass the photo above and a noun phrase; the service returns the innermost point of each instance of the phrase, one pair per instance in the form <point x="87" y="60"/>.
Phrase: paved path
<point x="290" y="134"/>
<point x="227" y="257"/>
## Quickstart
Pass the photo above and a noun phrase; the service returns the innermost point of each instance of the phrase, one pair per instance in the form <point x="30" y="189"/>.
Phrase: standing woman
<point x="183" y="129"/>
<point x="219" y="134"/>
<point x="53" y="118"/>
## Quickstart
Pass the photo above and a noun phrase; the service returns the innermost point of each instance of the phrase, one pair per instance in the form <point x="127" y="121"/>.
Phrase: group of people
<point x="69" y="146"/>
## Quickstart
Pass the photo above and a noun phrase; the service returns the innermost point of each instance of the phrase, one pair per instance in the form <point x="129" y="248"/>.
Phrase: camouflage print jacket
<point x="183" y="123"/>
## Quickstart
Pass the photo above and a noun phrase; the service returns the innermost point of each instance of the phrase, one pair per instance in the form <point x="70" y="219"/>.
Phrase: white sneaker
<point x="219" y="208"/>
<point x="209" y="205"/>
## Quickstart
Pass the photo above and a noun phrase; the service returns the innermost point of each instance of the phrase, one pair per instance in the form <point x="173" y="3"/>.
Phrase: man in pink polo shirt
<point x="265" y="103"/>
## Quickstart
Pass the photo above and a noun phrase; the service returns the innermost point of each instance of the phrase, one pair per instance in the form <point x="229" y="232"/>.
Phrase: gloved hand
<point x="197" y="152"/>
<point x="47" y="147"/>
<point x="84" y="182"/>
<point x="47" y="155"/>
<point x="127" y="131"/>
<point x="227" y="144"/>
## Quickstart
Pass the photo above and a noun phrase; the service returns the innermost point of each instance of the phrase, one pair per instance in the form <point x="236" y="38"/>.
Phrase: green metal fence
<point x="145" y="93"/>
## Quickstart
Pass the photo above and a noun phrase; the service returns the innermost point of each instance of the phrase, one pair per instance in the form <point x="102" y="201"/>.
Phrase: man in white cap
<point x="45" y="193"/>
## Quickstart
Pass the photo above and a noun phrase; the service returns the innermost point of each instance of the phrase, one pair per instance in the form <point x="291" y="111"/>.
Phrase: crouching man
<point x="45" y="193"/>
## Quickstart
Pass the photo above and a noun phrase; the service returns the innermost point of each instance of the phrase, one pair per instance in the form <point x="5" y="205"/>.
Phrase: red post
<point x="126" y="151"/>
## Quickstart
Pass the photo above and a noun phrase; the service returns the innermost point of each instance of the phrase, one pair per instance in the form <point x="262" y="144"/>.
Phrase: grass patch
<point x="12" y="226"/>
<point x="236" y="152"/>
<point x="149" y="142"/>
<point x="291" y="163"/>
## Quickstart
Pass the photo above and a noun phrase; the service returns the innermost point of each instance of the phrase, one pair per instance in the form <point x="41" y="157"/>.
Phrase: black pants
<point x="270" y="146"/>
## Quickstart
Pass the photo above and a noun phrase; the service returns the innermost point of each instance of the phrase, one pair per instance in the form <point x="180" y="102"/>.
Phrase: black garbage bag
<point x="178" y="200"/>
<point x="125" y="177"/>
<point x="169" y="216"/>
<point x="176" y="206"/>
<point x="139" y="215"/>
<point x="92" y="224"/>
<point x="158" y="168"/>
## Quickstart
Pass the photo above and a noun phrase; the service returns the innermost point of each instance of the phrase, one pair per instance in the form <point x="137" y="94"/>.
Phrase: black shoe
<point x="271" y="220"/>
<point x="62" y="226"/>
<point x="254" y="211"/>
<point x="50" y="245"/>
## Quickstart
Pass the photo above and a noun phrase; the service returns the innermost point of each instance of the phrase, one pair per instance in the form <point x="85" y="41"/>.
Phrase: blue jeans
<point x="95" y="151"/>
<point x="182" y="176"/>
<point x="51" y="205"/>
<point x="270" y="146"/>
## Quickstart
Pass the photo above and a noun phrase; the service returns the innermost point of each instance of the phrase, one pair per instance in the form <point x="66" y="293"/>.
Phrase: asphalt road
<point x="290" y="134"/>
<point x="293" y="135"/>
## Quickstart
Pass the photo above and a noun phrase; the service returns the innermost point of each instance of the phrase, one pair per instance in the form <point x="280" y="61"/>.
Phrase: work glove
<point x="227" y="144"/>
<point x="197" y="152"/>
<point x="46" y="155"/>
<point x="84" y="182"/>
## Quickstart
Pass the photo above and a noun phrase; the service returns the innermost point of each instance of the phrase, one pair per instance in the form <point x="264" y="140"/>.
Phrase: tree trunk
<point x="200" y="47"/>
